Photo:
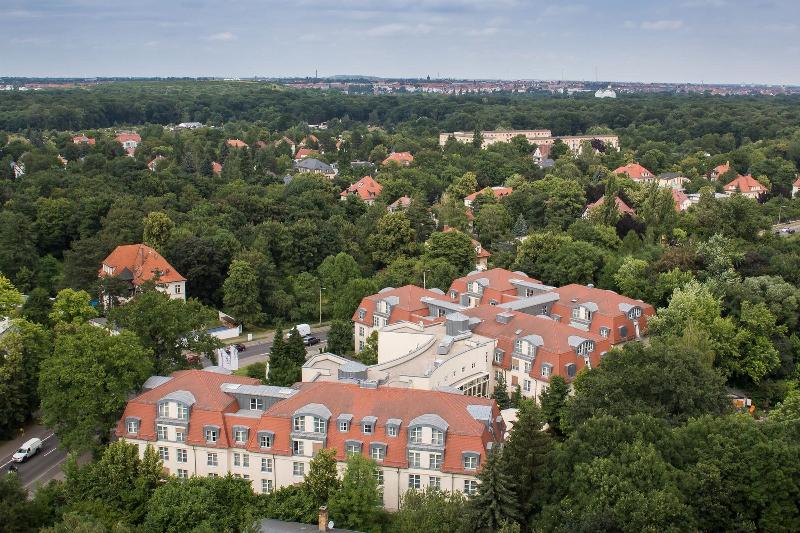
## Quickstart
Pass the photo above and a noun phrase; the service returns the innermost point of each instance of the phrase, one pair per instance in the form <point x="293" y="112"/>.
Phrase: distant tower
<point x="316" y="74"/>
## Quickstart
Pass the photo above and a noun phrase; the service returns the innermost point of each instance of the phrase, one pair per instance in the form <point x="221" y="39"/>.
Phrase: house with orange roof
<point x="482" y="255"/>
<point x="302" y="153"/>
<point x="129" y="140"/>
<point x="497" y="192"/>
<point x="682" y="201"/>
<point x="746" y="185"/>
<point x="603" y="312"/>
<point x="719" y="170"/>
<point x="796" y="187"/>
<point x="636" y="172"/>
<point x="216" y="168"/>
<point x="401" y="203"/>
<point x="401" y="158"/>
<point x="137" y="264"/>
<point x="366" y="188"/>
<point x="494" y="287"/>
<point x="236" y="143"/>
<point x="622" y="207"/>
<point x="155" y="163"/>
<point x="210" y="423"/>
<point x="83" y="139"/>
<point x="309" y="139"/>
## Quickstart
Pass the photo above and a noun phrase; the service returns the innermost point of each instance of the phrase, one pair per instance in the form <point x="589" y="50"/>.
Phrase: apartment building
<point x="537" y="137"/>
<point x="138" y="263"/>
<point x="206" y="423"/>
<point x="494" y="287"/>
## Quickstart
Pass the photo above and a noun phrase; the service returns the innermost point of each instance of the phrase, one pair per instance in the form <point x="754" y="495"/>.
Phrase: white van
<point x="27" y="450"/>
<point x="303" y="329"/>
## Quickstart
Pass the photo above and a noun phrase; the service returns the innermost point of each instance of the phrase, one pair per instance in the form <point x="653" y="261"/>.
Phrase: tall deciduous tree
<point x="552" y="402"/>
<point x="455" y="247"/>
<point x="157" y="229"/>
<point x="241" y="291"/>
<point x="10" y="297"/>
<point x="394" y="237"/>
<point x="323" y="479"/>
<point x="72" y="307"/>
<point x="340" y="337"/>
<point x="357" y="505"/>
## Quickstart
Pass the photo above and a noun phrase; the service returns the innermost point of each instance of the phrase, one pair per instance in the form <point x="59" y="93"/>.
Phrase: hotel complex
<point x="537" y="137"/>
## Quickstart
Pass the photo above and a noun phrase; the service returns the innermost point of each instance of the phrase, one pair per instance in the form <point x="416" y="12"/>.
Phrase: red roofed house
<point x="155" y="163"/>
<point x="719" y="170"/>
<point x="287" y="140"/>
<point x="236" y="143"/>
<point x="482" y="255"/>
<point x="389" y="306"/>
<point x="83" y="139"/>
<point x="138" y="263"/>
<point x="636" y="172"/>
<point x="498" y="192"/>
<point x="622" y="207"/>
<point x="302" y="153"/>
<point x="129" y="140"/>
<point x="531" y="349"/>
<point x="612" y="316"/>
<point x="682" y="202"/>
<point x="494" y="287"/>
<point x="747" y="185"/>
<point x="796" y="187"/>
<point x="216" y="168"/>
<point x="401" y="203"/>
<point x="401" y="158"/>
<point x="366" y="188"/>
<point x="207" y="423"/>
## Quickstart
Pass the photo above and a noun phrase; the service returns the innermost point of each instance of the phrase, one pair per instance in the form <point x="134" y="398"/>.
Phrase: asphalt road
<point x="259" y="351"/>
<point x="40" y="468"/>
<point x="794" y="225"/>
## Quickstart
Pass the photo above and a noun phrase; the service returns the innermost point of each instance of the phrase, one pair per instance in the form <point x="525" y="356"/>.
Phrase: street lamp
<point x="321" y="288"/>
<point x="424" y="279"/>
<point x="779" y="214"/>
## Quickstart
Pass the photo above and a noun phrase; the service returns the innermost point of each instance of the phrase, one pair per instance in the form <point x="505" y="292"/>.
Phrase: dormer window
<point x="585" y="348"/>
<point x="635" y="313"/>
<point x="319" y="425"/>
<point x="362" y="314"/>
<point x="265" y="439"/>
<point x="470" y="460"/>
<point x="256" y="404"/>
<point x="547" y="370"/>
<point x="240" y="435"/>
<point x="183" y="412"/>
<point x="415" y="435"/>
<point x="367" y="429"/>
<point x="163" y="410"/>
<point x="211" y="434"/>
<point x="344" y="426"/>
<point x="453" y="294"/>
<point x="498" y="356"/>
<point x="299" y="423"/>
<point x="437" y="437"/>
<point x="132" y="425"/>
<point x="605" y="332"/>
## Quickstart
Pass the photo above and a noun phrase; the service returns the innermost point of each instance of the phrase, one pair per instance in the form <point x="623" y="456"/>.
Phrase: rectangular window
<point x="470" y="487"/>
<point x="177" y="289"/>
<point x="211" y="459"/>
<point x="319" y="425"/>
<point x="379" y="477"/>
<point x="546" y="370"/>
<point x="211" y="435"/>
<point x="299" y="423"/>
<point x="183" y="412"/>
<point x="498" y="357"/>
<point x="266" y="464"/>
<point x="391" y="431"/>
<point x="376" y="322"/>
<point x="514" y="363"/>
<point x="299" y="469"/>
<point x="183" y="474"/>
<point x="180" y="435"/>
<point x="256" y="404"/>
<point x="344" y="426"/>
<point x="266" y="486"/>
<point x="361" y="329"/>
<point x="437" y="437"/>
<point x="245" y="460"/>
<point x="414" y="481"/>
<point x="377" y="453"/>
<point x="604" y="332"/>
<point x="240" y="435"/>
<point x="265" y="441"/>
<point x="237" y="461"/>
<point x="435" y="482"/>
<point x="526" y="385"/>
<point x="163" y="453"/>
<point x="435" y="461"/>
<point x="415" y="435"/>
<point x="470" y="462"/>
<point x="367" y="429"/>
<point x="298" y="447"/>
<point x="163" y="410"/>
<point x="162" y="432"/>
<point x="133" y="426"/>
<point x="212" y="474"/>
<point x="527" y="367"/>
<point x="352" y="448"/>
<point x="181" y="455"/>
<point x="414" y="460"/>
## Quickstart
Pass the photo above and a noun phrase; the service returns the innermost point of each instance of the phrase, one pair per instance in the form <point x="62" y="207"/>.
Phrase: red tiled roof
<point x="409" y="306"/>
<point x="366" y="188"/>
<point x="236" y="143"/>
<point x="719" y="170"/>
<point x="498" y="192"/>
<point x="128" y="136"/>
<point x="499" y="283"/>
<point x="403" y="201"/>
<point x="680" y="198"/>
<point x="83" y="139"/>
<point x="745" y="184"/>
<point x="143" y="263"/>
<point x="622" y="207"/>
<point x="216" y="168"/>
<point x="305" y="152"/>
<point x="635" y="171"/>
<point x="404" y="158"/>
<point x="607" y="301"/>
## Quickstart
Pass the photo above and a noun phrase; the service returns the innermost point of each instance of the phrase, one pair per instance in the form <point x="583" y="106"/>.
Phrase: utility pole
<point x="321" y="288"/>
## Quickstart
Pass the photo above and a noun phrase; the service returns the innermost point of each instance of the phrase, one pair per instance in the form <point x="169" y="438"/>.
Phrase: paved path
<point x="259" y="350"/>
<point x="40" y="468"/>
<point x="793" y="225"/>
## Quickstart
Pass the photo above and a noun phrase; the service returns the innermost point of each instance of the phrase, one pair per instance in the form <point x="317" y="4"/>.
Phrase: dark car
<point x="310" y="340"/>
<point x="240" y="347"/>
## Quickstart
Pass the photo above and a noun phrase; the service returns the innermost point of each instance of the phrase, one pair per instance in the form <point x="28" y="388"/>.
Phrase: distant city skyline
<point x="710" y="41"/>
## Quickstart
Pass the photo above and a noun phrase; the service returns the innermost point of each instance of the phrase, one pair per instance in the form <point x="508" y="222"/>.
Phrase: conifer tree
<point x="520" y="228"/>
<point x="552" y="402"/>
<point x="495" y="503"/>
<point x="500" y="394"/>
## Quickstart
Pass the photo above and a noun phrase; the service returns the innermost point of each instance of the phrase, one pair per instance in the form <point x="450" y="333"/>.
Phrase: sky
<point x="711" y="41"/>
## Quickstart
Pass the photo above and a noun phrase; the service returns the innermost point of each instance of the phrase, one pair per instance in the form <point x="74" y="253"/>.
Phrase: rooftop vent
<point x="503" y="318"/>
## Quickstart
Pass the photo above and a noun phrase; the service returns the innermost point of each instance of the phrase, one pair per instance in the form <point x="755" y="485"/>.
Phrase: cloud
<point x="662" y="25"/>
<point x="483" y="32"/>
<point x="222" y="36"/>
<point x="387" y="30"/>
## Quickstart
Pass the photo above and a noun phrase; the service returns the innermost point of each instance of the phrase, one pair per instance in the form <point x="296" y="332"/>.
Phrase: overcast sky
<point x="729" y="41"/>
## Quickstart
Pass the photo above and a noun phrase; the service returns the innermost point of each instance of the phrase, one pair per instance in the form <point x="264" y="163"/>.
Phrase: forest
<point x="648" y="442"/>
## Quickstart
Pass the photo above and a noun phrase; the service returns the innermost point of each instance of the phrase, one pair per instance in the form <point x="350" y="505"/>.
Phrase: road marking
<point x="40" y="476"/>
<point x="45" y="455"/>
<point x="51" y="451"/>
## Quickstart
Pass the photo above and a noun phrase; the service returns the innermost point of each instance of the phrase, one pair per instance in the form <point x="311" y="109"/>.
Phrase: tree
<point x="241" y="292"/>
<point x="72" y="307"/>
<point x="632" y="279"/>
<point x="788" y="410"/>
<point x="349" y="297"/>
<point x="336" y="271"/>
<point x="283" y="370"/>
<point x="358" y="504"/>
<point x="552" y="402"/>
<point x="500" y="393"/>
<point x="10" y="298"/>
<point x="17" y="513"/>
<point x="557" y="259"/>
<point x="85" y="383"/>
<point x="340" y="337"/>
<point x="38" y="306"/>
<point x="455" y="247"/>
<point x="563" y="200"/>
<point x="432" y="511"/>
<point x="520" y="228"/>
<point x="323" y="479"/>
<point x="167" y="327"/>
<point x="394" y="237"/>
<point x="463" y="186"/>
<point x="495" y="503"/>
<point x="493" y="225"/>
<point x="157" y="229"/>
<point x="369" y="353"/>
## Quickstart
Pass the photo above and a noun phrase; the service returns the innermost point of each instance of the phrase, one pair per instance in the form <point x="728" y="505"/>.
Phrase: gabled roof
<point x="498" y="192"/>
<point x="403" y="158"/>
<point x="236" y="143"/>
<point x="305" y="152"/>
<point x="622" y="207"/>
<point x="719" y="170"/>
<point x="680" y="199"/>
<point x="403" y="201"/>
<point x="745" y="184"/>
<point x="366" y="188"/>
<point x="128" y="136"/>
<point x="406" y="302"/>
<point x="606" y="302"/>
<point x="83" y="139"/>
<point x="499" y="280"/>
<point x="310" y="163"/>
<point x="216" y="167"/>
<point x="635" y="171"/>
<point x="143" y="264"/>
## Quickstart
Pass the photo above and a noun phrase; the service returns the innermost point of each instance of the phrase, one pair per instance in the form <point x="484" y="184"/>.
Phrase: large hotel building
<point x="537" y="137"/>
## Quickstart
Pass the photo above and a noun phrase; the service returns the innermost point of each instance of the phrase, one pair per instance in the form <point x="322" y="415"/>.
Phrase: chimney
<point x="323" y="518"/>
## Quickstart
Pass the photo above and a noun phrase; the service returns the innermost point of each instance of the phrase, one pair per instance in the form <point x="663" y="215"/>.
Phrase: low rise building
<point x="494" y="287"/>
<point x="138" y="263"/>
<point x="398" y="205"/>
<point x="206" y="423"/>
<point x="622" y="207"/>
<point x="636" y="172"/>
<point x="366" y="188"/>
<point x="83" y="139"/>
<point x="497" y="192"/>
<point x="746" y="185"/>
<point x="537" y="137"/>
<point x="401" y="158"/>
<point x="309" y="165"/>
<point x="129" y="140"/>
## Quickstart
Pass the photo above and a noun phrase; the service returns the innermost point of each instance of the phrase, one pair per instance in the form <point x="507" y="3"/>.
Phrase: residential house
<point x="603" y="312"/>
<point x="636" y="172"/>
<point x="137" y="264"/>
<point x="746" y="185"/>
<point x="401" y="158"/>
<point x="310" y="165"/>
<point x="796" y="187"/>
<point x="309" y="139"/>
<point x="129" y="140"/>
<point x="189" y="125"/>
<point x="207" y="423"/>
<point x="497" y="192"/>
<point x="287" y="141"/>
<point x="538" y="137"/>
<point x="493" y="287"/>
<point x="18" y="167"/>
<point x="482" y="255"/>
<point x="401" y="203"/>
<point x="622" y="207"/>
<point x="366" y="188"/>
<point x="155" y="163"/>
<point x="83" y="139"/>
<point x="682" y="201"/>
<point x="302" y="153"/>
<point x="718" y="171"/>
<point x="541" y="153"/>
<point x="672" y="180"/>
<point x="216" y="168"/>
<point x="236" y="143"/>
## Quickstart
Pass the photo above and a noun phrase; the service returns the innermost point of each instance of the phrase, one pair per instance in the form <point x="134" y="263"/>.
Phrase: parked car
<point x="30" y="448"/>
<point x="240" y="347"/>
<point x="310" y="340"/>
